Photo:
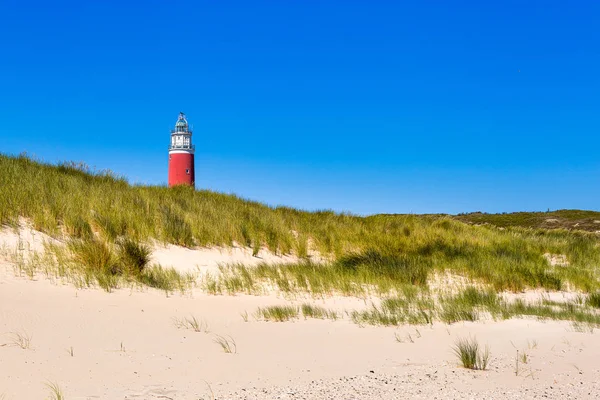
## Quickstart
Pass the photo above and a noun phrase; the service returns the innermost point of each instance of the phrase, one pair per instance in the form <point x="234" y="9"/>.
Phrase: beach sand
<point x="127" y="345"/>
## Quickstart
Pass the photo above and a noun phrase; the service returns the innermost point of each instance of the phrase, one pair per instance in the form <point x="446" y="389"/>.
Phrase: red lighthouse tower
<point x="181" y="154"/>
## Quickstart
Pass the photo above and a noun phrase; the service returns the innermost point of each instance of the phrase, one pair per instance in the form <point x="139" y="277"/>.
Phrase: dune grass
<point x="289" y="312"/>
<point x="193" y="323"/>
<point x="105" y="223"/>
<point x="227" y="343"/>
<point x="20" y="339"/>
<point x="311" y="311"/>
<point x="111" y="265"/>
<point x="71" y="199"/>
<point x="564" y="219"/>
<point x="470" y="304"/>
<point x="56" y="392"/>
<point x="593" y="300"/>
<point x="94" y="261"/>
<point x="505" y="260"/>
<point x="277" y="313"/>
<point x="471" y="355"/>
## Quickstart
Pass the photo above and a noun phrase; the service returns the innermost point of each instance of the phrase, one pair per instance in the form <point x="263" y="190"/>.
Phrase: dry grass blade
<point x="212" y="394"/>
<point x="56" y="392"/>
<point x="244" y="316"/>
<point x="193" y="323"/>
<point x="227" y="343"/>
<point x="20" y="339"/>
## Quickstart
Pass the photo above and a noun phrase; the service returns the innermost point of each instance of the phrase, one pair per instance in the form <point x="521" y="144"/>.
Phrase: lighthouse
<point x="181" y="154"/>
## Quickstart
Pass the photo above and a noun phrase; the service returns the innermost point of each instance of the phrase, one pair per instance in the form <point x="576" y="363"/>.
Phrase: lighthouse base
<point x="181" y="169"/>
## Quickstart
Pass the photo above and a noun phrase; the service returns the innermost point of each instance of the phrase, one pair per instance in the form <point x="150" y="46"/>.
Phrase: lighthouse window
<point x="187" y="171"/>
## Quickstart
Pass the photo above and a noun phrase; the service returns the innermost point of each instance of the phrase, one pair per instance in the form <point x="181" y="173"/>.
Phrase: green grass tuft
<point x="133" y="256"/>
<point x="227" y="343"/>
<point x="312" y="311"/>
<point x="56" y="393"/>
<point x="593" y="300"/>
<point x="470" y="354"/>
<point x="278" y="313"/>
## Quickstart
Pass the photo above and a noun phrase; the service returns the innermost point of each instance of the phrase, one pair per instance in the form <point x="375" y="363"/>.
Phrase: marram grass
<point x="106" y="221"/>
<point x="470" y="304"/>
<point x="470" y="354"/>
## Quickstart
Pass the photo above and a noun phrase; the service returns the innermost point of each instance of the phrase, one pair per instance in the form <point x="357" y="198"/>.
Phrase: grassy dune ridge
<point x="71" y="199"/>
<point x="385" y="252"/>
<point x="582" y="220"/>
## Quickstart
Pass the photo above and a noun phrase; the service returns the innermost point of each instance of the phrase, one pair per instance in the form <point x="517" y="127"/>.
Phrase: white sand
<point x="127" y="346"/>
<point x="205" y="260"/>
<point x="198" y="260"/>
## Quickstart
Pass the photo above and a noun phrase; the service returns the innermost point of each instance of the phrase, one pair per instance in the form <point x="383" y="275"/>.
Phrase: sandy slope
<point x="197" y="260"/>
<point x="208" y="259"/>
<point x="126" y="346"/>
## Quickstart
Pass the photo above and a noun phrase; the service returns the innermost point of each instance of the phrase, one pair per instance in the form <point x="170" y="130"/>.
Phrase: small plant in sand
<point x="227" y="343"/>
<point x="403" y="339"/>
<point x="311" y="311"/>
<point x="193" y="323"/>
<point x="56" y="392"/>
<point x="71" y="351"/>
<point x="471" y="355"/>
<point x="584" y="327"/>
<point x="20" y="339"/>
<point x="212" y="393"/>
<point x="244" y="316"/>
<point x="278" y="313"/>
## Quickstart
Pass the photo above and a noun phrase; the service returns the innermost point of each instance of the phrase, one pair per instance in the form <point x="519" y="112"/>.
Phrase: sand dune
<point x="128" y="345"/>
<point x="208" y="259"/>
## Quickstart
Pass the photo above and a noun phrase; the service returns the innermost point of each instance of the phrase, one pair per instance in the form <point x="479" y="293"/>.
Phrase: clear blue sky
<point x="367" y="107"/>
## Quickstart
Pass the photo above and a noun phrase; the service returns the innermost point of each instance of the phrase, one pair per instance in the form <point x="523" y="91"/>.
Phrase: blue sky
<point x="367" y="107"/>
